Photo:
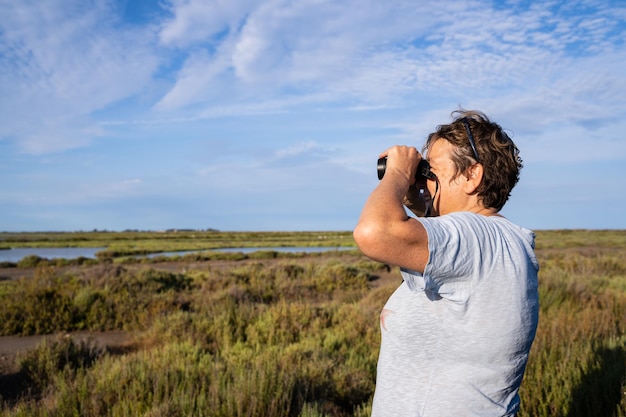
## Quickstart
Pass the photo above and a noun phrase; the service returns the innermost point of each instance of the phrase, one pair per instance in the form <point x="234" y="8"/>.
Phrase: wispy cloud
<point x="289" y="101"/>
<point x="352" y="54"/>
<point x="65" y="60"/>
<point x="62" y="61"/>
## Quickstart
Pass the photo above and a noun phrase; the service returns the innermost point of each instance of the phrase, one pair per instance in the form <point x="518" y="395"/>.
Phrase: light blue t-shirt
<point x="455" y="339"/>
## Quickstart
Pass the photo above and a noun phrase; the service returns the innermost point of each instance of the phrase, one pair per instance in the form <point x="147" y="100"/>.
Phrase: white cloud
<point x="297" y="149"/>
<point x="303" y="48"/>
<point x="289" y="100"/>
<point x="63" y="60"/>
<point x="42" y="138"/>
<point x="194" y="21"/>
<point x="369" y="54"/>
<point x="66" y="60"/>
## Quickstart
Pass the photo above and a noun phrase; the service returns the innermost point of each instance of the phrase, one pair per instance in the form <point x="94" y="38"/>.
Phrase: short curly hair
<point x="496" y="152"/>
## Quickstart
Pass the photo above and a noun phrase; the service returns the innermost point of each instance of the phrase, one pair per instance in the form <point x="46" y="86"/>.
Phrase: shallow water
<point x="293" y="249"/>
<point x="17" y="254"/>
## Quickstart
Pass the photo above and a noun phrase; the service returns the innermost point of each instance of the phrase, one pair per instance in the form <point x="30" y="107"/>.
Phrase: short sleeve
<point x="461" y="250"/>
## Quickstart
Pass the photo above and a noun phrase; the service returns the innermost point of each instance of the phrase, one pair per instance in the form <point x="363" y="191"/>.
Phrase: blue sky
<point x="269" y="115"/>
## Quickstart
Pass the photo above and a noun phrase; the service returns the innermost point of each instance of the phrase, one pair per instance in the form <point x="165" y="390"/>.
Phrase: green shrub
<point x="40" y="366"/>
<point x="31" y="261"/>
<point x="292" y="337"/>
<point x="50" y="302"/>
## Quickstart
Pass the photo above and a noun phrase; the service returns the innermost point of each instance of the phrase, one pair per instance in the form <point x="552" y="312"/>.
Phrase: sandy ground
<point x="12" y="346"/>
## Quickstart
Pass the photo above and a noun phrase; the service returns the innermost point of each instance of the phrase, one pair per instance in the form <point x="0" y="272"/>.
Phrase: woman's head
<point x="494" y="150"/>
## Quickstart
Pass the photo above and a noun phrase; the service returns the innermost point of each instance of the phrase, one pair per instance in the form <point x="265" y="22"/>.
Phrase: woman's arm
<point x="384" y="232"/>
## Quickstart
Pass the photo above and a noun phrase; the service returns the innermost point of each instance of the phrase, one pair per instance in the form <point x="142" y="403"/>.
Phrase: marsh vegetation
<point x="276" y="334"/>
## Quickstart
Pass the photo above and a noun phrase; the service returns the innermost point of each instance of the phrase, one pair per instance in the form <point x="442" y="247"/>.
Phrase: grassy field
<point x="275" y="334"/>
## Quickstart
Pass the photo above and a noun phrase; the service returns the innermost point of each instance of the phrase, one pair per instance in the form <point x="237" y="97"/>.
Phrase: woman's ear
<point x="473" y="178"/>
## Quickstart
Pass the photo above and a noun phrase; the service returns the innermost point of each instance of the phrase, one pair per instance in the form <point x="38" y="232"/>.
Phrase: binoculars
<point x="423" y="170"/>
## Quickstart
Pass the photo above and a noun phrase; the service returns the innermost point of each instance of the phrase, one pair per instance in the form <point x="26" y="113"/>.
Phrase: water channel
<point x="17" y="254"/>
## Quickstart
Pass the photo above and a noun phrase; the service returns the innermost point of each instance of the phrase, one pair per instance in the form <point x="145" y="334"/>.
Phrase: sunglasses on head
<point x="470" y="137"/>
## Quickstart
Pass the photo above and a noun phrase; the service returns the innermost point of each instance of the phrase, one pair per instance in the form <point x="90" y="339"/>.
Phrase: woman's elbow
<point x="366" y="236"/>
